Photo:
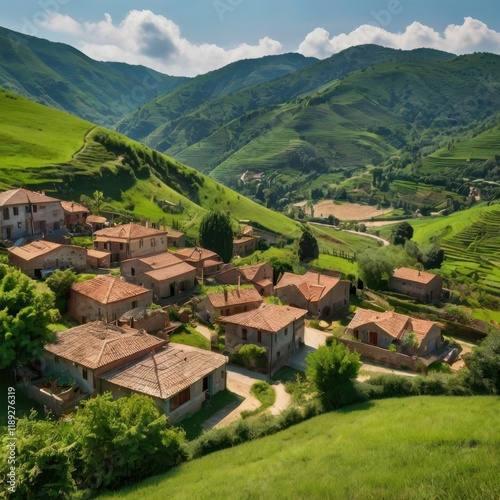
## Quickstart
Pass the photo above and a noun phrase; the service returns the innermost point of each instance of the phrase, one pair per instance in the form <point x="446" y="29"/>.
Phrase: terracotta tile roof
<point x="96" y="219"/>
<point x="72" y="206"/>
<point x="23" y="197"/>
<point x="211" y="262"/>
<point x="166" y="372"/>
<point x="264" y="283"/>
<point x="128" y="232"/>
<point x="174" y="234"/>
<point x="405" y="273"/>
<point x="159" y="260"/>
<point x="107" y="289"/>
<point x="243" y="239"/>
<point x="392" y="323"/>
<point x="268" y="317"/>
<point x="251" y="271"/>
<point x="396" y="325"/>
<point x="95" y="345"/>
<point x="35" y="249"/>
<point x="308" y="284"/>
<point x="234" y="297"/>
<point x="98" y="254"/>
<point x="229" y="275"/>
<point x="176" y="270"/>
<point x="196" y="254"/>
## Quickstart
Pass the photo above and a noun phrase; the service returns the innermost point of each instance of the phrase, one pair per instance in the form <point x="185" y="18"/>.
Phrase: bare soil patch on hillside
<point x="348" y="211"/>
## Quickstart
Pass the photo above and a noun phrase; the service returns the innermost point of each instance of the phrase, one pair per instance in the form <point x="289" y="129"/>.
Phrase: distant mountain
<point x="194" y="94"/>
<point x="176" y="131"/>
<point x="60" y="76"/>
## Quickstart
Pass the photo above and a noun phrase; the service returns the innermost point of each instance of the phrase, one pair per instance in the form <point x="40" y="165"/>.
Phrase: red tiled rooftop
<point x="24" y="197"/>
<point x="129" y="231"/>
<point x="313" y="286"/>
<point x="234" y="297"/>
<point x="107" y="289"/>
<point x="72" y="207"/>
<point x="196" y="254"/>
<point x="35" y="249"/>
<point x="173" y="271"/>
<point x="405" y="273"/>
<point x="268" y="317"/>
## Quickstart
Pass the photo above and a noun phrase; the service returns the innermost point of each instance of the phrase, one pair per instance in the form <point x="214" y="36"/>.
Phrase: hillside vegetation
<point x="60" y="76"/>
<point x="450" y="450"/>
<point x="48" y="149"/>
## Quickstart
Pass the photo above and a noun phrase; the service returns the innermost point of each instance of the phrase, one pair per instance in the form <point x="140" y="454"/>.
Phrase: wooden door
<point x="373" y="338"/>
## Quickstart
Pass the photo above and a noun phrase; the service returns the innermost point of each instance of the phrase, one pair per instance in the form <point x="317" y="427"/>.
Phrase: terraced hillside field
<point x="471" y="240"/>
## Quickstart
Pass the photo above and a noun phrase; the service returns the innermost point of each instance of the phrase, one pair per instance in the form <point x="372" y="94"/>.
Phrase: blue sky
<point x="196" y="36"/>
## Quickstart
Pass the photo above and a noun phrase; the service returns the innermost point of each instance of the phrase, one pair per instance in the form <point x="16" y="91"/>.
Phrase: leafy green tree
<point x="374" y="266"/>
<point x="44" y="464"/>
<point x="331" y="367"/>
<point x="216" y="234"/>
<point x="60" y="282"/>
<point x="119" y="441"/>
<point x="93" y="203"/>
<point x="308" y="246"/>
<point x="432" y="256"/>
<point x="401" y="233"/>
<point x="482" y="365"/>
<point x="25" y="314"/>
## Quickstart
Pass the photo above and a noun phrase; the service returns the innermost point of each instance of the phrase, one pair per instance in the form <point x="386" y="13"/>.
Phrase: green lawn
<point x="187" y="335"/>
<point x="413" y="448"/>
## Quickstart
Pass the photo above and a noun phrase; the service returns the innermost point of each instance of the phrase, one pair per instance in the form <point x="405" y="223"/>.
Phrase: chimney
<point x="225" y="294"/>
<point x="319" y="276"/>
<point x="239" y="283"/>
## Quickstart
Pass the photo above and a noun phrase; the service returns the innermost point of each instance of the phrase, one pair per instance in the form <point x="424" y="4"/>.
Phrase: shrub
<point x="253" y="355"/>
<point x="392" y="385"/>
<point x="433" y="385"/>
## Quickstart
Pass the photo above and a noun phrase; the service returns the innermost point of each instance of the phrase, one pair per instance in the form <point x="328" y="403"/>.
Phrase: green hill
<point x="216" y="84"/>
<point x="360" y="120"/>
<point x="60" y="76"/>
<point x="43" y="148"/>
<point x="422" y="447"/>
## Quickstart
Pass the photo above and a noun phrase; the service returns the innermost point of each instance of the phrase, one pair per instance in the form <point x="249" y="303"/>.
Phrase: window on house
<point x="259" y="336"/>
<point x="19" y="225"/>
<point x="35" y="209"/>
<point x="15" y="210"/>
<point x="227" y="312"/>
<point x="152" y="242"/>
<point x="6" y="215"/>
<point x="222" y="374"/>
<point x="244" y="334"/>
<point x="121" y="246"/>
<point x="132" y="271"/>
<point x="135" y="304"/>
<point x="141" y="243"/>
<point x="105" y="246"/>
<point x="179" y="399"/>
<point x="56" y="359"/>
<point x="27" y="209"/>
<point x="85" y="374"/>
<point x="278" y="354"/>
<point x="286" y="331"/>
<point x="205" y="384"/>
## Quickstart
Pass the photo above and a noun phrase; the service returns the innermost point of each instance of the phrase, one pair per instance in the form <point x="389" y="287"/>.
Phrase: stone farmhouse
<point x="206" y="262"/>
<point x="419" y="284"/>
<point x="227" y="303"/>
<point x="244" y="246"/>
<point x="25" y="213"/>
<point x="260" y="275"/>
<point x="74" y="214"/>
<point x="105" y="298"/>
<point x="32" y="259"/>
<point x="176" y="239"/>
<point x="319" y="294"/>
<point x="280" y="329"/>
<point x="381" y="329"/>
<point x="164" y="273"/>
<point x="103" y="357"/>
<point x="130" y="240"/>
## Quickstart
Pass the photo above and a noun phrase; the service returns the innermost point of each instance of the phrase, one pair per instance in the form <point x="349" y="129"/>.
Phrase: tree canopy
<point x="308" y="246"/>
<point x="401" y="233"/>
<point x="216" y="234"/>
<point x="25" y="314"/>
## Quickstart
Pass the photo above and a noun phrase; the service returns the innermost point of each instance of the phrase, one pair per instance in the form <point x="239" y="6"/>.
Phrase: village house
<point x="206" y="262"/>
<point x="122" y="360"/>
<point x="319" y="294"/>
<point x="381" y="329"/>
<point x="74" y="214"/>
<point x="260" y="275"/>
<point x="419" y="284"/>
<point x="89" y="350"/>
<point x="105" y="298"/>
<point x="24" y="213"/>
<point x="176" y="239"/>
<point x="164" y="273"/>
<point x="180" y="378"/>
<point x="280" y="329"/>
<point x="244" y="246"/>
<point x="34" y="258"/>
<point x="95" y="222"/>
<point x="152" y="320"/>
<point x="130" y="240"/>
<point x="227" y="303"/>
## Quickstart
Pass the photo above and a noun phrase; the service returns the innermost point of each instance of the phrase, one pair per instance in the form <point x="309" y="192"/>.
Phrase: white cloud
<point x="62" y="24"/>
<point x="471" y="36"/>
<point x="155" y="41"/>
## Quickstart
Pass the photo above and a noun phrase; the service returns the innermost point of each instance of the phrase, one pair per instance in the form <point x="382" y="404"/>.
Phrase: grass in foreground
<point x="450" y="450"/>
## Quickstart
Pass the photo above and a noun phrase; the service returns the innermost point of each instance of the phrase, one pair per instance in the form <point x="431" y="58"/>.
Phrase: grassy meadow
<point x="412" y="448"/>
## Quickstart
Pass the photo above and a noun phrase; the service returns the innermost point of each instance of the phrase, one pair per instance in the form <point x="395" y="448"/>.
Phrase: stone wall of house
<point x="425" y="292"/>
<point x="380" y="355"/>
